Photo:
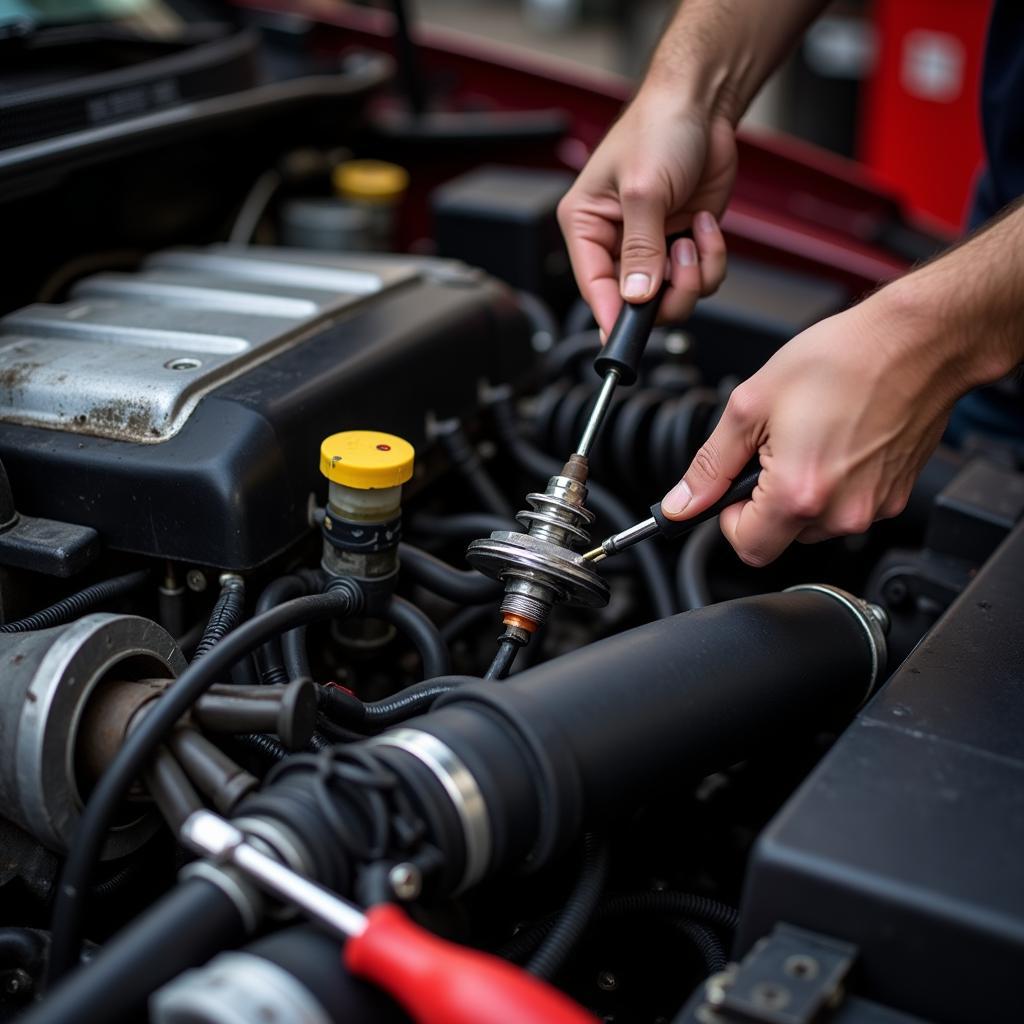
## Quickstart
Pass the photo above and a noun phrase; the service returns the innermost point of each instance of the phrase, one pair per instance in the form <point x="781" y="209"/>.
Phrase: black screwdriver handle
<point x="741" y="489"/>
<point x="625" y="345"/>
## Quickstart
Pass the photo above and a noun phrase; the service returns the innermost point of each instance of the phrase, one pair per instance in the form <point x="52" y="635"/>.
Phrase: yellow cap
<point x="372" y="181"/>
<point x="366" y="459"/>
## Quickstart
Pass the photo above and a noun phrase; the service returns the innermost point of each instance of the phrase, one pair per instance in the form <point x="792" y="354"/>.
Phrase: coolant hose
<point x="195" y="920"/>
<point x="463" y="586"/>
<point x="424" y="635"/>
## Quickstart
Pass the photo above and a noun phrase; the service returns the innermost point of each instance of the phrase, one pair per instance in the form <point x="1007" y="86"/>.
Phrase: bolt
<point x="17" y="982"/>
<point x="195" y="580"/>
<point x="880" y="615"/>
<point x="406" y="881"/>
<point x="895" y="592"/>
<point x="769" y="996"/>
<point x="715" y="987"/>
<point x="801" y="966"/>
<point x="606" y="981"/>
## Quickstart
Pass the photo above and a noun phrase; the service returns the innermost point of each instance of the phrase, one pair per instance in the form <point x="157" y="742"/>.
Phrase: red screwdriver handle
<point x="438" y="982"/>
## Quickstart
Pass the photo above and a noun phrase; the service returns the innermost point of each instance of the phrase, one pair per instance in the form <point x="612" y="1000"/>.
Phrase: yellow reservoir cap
<point x="366" y="459"/>
<point x="372" y="181"/>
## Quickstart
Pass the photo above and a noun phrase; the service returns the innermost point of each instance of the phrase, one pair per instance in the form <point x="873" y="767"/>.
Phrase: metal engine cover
<point x="179" y="410"/>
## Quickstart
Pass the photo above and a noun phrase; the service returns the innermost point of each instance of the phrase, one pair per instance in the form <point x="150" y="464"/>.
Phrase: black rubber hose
<point x="542" y="320"/>
<point x="295" y="655"/>
<point x="226" y="615"/>
<point x="466" y="526"/>
<point x="269" y="659"/>
<point x="574" y="917"/>
<point x="74" y="605"/>
<point x="602" y="501"/>
<point x="692" y="567"/>
<point x="413" y="700"/>
<point x="706" y="942"/>
<point x="466" y="618"/>
<point x="344" y="598"/>
<point x="466" y="459"/>
<point x="194" y="921"/>
<point x="425" y="636"/>
<point x="463" y="586"/>
<point x="502" y="663"/>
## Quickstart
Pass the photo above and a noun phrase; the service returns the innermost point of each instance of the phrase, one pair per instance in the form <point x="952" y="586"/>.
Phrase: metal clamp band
<point x="874" y="624"/>
<point x="242" y="893"/>
<point x="462" y="789"/>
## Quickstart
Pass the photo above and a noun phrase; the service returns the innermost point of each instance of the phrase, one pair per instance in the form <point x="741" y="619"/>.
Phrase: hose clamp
<point x="462" y="789"/>
<point x="873" y="621"/>
<point x="245" y="896"/>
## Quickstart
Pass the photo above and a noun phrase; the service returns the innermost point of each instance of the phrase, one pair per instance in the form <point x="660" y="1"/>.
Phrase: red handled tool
<point x="437" y="982"/>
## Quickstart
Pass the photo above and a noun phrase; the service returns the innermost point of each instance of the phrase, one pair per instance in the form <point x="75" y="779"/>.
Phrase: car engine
<point x="299" y="467"/>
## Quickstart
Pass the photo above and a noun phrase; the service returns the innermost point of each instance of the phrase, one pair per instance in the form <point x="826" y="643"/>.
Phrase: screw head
<point x="406" y="881"/>
<point x="195" y="580"/>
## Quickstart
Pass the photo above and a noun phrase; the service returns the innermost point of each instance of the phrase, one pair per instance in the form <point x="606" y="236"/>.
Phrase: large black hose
<point x="226" y="615"/>
<point x="692" y="567"/>
<point x="425" y="636"/>
<point x="573" y="918"/>
<point x="73" y="605"/>
<point x="269" y="657"/>
<point x="685" y="695"/>
<point x="185" y="928"/>
<point x="344" y="598"/>
<point x="602" y="501"/>
<point x="463" y="586"/>
<point x="466" y="459"/>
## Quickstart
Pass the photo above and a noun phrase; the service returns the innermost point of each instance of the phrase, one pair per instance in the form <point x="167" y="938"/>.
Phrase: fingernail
<point x="636" y="286"/>
<point x="602" y="335"/>
<point x="704" y="221"/>
<point x="686" y="253"/>
<point x="677" y="499"/>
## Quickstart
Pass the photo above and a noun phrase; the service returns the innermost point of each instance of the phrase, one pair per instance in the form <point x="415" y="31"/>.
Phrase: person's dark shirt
<point x="1002" y="112"/>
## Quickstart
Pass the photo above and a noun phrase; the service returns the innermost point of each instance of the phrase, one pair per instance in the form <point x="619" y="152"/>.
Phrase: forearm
<point x="964" y="310"/>
<point x="718" y="53"/>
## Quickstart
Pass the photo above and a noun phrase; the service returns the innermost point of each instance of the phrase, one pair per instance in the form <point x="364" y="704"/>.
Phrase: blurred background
<point x="892" y="84"/>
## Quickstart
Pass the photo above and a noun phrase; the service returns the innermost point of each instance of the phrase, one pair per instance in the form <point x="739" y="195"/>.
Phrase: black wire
<point x="347" y="710"/>
<point x="75" y="604"/>
<point x="140" y="745"/>
<point x="573" y="918"/>
<point x="692" y="567"/>
<point x="502" y="663"/>
<point x="425" y="636"/>
<point x="269" y="658"/>
<point x="226" y="615"/>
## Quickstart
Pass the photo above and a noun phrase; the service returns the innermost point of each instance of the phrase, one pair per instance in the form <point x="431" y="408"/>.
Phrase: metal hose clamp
<point x="462" y="789"/>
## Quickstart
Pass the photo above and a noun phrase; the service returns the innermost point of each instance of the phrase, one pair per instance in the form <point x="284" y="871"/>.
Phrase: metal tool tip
<point x="594" y="556"/>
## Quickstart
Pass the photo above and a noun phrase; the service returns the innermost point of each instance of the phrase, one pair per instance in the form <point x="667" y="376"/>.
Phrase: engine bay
<point x="303" y="458"/>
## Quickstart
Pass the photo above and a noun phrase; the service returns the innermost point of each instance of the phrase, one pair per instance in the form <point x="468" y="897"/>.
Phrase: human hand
<point x="665" y="166"/>
<point x="844" y="417"/>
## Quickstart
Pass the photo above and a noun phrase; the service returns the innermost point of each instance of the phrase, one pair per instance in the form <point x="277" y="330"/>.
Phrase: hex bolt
<point x="769" y="996"/>
<point x="406" y="881"/>
<point x="800" y="965"/>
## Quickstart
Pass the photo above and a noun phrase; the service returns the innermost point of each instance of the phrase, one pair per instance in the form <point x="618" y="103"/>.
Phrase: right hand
<point x="662" y="168"/>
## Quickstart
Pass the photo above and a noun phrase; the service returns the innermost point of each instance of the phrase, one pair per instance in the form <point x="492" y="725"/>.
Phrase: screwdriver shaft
<point x="598" y="413"/>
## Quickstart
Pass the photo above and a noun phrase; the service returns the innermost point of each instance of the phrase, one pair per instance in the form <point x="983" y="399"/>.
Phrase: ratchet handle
<point x="438" y="982"/>
<point x="741" y="490"/>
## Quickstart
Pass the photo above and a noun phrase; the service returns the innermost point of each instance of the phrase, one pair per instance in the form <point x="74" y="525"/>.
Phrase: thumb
<point x="642" y="257"/>
<point x="721" y="458"/>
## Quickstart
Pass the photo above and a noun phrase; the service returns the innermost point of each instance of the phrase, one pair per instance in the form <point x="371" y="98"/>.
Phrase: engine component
<point x="200" y="382"/>
<point x="912" y="823"/>
<point x="505" y="775"/>
<point x="362" y="526"/>
<point x="292" y="975"/>
<point x="49" y="677"/>
<point x="539" y="568"/>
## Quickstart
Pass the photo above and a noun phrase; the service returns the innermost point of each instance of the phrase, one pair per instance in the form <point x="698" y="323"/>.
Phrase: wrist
<point x="920" y="323"/>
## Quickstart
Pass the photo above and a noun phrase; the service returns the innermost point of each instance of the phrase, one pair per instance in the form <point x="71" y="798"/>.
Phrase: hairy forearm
<point x="718" y="53"/>
<point x="967" y="306"/>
